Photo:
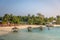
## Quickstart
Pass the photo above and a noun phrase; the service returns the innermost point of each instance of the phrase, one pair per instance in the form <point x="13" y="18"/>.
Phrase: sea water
<point x="36" y="34"/>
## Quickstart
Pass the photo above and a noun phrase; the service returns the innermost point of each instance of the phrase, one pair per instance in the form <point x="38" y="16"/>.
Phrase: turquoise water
<point x="36" y="34"/>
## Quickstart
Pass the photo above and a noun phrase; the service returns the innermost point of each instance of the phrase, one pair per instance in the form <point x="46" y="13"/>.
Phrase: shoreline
<point x="6" y="30"/>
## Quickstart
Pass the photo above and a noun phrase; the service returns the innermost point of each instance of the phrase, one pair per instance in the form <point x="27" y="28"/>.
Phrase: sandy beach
<point x="6" y="30"/>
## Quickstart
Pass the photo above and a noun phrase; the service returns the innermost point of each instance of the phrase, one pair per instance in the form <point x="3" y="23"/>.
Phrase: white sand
<point x="6" y="30"/>
<point x="56" y="25"/>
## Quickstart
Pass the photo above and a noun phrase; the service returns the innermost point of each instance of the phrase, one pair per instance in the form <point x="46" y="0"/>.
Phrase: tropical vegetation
<point x="38" y="19"/>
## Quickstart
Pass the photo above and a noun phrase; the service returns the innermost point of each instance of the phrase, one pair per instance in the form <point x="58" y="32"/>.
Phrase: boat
<point x="49" y="25"/>
<point x="15" y="29"/>
<point x="29" y="29"/>
<point x="41" y="28"/>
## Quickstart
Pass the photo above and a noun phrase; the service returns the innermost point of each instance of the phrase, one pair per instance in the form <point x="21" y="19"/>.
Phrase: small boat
<point x="41" y="28"/>
<point x="49" y="25"/>
<point x="29" y="29"/>
<point x="15" y="29"/>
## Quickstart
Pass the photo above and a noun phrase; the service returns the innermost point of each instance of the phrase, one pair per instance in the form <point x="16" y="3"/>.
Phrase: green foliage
<point x="0" y="18"/>
<point x="50" y="19"/>
<point x="6" y="17"/>
<point x="10" y="18"/>
<point x="58" y="19"/>
<point x="37" y="20"/>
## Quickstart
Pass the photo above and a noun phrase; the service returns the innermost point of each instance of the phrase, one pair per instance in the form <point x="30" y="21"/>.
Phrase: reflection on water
<point x="36" y="34"/>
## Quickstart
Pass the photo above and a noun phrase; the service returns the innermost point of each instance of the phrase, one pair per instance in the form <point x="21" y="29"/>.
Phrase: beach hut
<point x="54" y="22"/>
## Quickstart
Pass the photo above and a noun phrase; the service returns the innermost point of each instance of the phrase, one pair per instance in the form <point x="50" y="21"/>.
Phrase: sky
<point x="24" y="7"/>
